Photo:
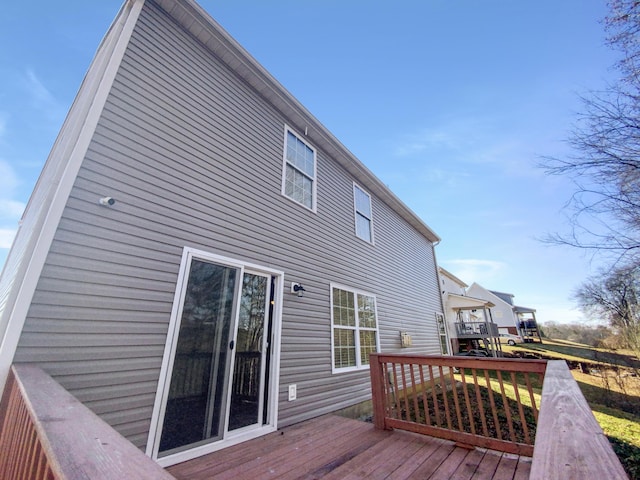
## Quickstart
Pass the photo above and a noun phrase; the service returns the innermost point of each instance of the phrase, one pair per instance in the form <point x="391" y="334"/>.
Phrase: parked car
<point x="510" y="339"/>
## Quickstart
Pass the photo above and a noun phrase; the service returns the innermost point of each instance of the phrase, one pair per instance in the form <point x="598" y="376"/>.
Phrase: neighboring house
<point x="201" y="261"/>
<point x="527" y="323"/>
<point x="509" y="317"/>
<point x="469" y="324"/>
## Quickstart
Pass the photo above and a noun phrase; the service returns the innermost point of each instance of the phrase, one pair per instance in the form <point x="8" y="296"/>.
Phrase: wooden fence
<point x="477" y="401"/>
<point x="47" y="434"/>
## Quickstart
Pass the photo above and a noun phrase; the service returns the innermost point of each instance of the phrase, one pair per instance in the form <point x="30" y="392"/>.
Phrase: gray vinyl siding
<point x="33" y="219"/>
<point x="193" y="157"/>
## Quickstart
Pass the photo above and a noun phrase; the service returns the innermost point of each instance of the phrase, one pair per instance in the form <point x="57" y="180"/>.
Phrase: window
<point x="299" y="175"/>
<point x="354" y="328"/>
<point x="362" y="206"/>
<point x="442" y="333"/>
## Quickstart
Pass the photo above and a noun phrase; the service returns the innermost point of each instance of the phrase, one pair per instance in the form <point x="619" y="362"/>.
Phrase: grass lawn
<point x="614" y="395"/>
<point x="623" y="431"/>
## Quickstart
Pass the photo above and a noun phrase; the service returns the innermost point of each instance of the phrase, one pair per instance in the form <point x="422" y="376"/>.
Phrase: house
<point x="469" y="323"/>
<point x="201" y="261"/>
<point x="509" y="317"/>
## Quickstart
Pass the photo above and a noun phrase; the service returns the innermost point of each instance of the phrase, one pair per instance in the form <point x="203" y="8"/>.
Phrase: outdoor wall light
<point x="297" y="288"/>
<point x="107" y="201"/>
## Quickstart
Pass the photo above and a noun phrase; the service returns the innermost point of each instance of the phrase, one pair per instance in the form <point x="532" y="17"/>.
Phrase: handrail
<point x="481" y="405"/>
<point x="476" y="329"/>
<point x="45" y="433"/>
<point x="570" y="442"/>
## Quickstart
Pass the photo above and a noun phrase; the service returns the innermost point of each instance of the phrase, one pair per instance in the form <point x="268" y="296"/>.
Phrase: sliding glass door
<point x="247" y="392"/>
<point x="220" y="358"/>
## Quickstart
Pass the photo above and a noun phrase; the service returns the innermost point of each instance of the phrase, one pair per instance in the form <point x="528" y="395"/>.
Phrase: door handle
<point x="231" y="345"/>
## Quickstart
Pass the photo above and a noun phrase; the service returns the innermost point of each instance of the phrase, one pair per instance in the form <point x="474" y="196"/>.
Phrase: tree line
<point x="597" y="335"/>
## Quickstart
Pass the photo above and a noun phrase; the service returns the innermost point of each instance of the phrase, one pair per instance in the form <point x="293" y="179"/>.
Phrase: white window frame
<point x="443" y="334"/>
<point x="356" y="328"/>
<point x="166" y="369"/>
<point x="285" y="163"/>
<point x="357" y="213"/>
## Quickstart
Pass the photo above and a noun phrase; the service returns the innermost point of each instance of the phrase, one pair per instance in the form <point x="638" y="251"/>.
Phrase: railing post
<point x="377" y="391"/>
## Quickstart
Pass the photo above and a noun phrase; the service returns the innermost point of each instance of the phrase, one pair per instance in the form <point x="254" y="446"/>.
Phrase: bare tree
<point x="614" y="296"/>
<point x="605" y="167"/>
<point x="589" y="334"/>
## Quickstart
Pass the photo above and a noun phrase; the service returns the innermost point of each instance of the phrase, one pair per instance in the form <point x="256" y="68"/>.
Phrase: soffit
<point x="461" y="302"/>
<point x="524" y="310"/>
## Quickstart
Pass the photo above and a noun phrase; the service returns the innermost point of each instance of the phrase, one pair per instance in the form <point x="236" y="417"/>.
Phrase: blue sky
<point x="451" y="104"/>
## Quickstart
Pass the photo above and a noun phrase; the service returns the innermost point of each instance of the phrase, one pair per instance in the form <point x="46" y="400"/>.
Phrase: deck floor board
<point x="332" y="447"/>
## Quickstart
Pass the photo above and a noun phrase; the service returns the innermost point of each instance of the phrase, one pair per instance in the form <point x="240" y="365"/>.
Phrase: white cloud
<point x="9" y="181"/>
<point x="481" y="142"/>
<point x="6" y="238"/>
<point x="452" y="137"/>
<point x="38" y="91"/>
<point x="472" y="270"/>
<point x="42" y="98"/>
<point x="426" y="140"/>
<point x="3" y="125"/>
<point x="11" y="209"/>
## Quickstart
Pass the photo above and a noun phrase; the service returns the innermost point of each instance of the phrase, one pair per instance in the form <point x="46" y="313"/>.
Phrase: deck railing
<point x="482" y="402"/>
<point x="45" y="433"/>
<point x="528" y="407"/>
<point x="570" y="442"/>
<point x="476" y="329"/>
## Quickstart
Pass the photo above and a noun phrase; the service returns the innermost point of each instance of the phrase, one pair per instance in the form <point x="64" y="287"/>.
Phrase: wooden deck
<point x="333" y="447"/>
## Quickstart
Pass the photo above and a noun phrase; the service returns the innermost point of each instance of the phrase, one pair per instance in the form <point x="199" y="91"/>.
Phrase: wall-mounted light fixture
<point x="107" y="201"/>
<point x="297" y="288"/>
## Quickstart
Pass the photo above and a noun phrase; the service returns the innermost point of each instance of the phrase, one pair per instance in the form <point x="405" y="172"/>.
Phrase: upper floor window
<point x="364" y="220"/>
<point x="354" y="328"/>
<point x="299" y="175"/>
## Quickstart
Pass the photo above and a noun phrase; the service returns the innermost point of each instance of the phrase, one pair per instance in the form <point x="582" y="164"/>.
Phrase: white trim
<point x="356" y="213"/>
<point x="356" y="328"/>
<point x="214" y="447"/>
<point x="85" y="124"/>
<point x="447" y="341"/>
<point x="285" y="162"/>
<point x="162" y="391"/>
<point x="164" y="381"/>
<point x="261" y="406"/>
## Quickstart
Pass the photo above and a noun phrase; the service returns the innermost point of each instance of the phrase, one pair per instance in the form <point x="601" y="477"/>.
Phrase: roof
<point x="447" y="273"/>
<point x="507" y="297"/>
<point x="461" y="302"/>
<point x="200" y="24"/>
<point x="501" y="298"/>
<point x="523" y="309"/>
